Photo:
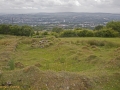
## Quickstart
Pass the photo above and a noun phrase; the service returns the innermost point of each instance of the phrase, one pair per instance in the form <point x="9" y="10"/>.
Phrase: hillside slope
<point x="60" y="63"/>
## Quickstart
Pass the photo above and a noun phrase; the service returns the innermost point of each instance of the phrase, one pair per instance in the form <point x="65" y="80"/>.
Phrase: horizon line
<point x="63" y="12"/>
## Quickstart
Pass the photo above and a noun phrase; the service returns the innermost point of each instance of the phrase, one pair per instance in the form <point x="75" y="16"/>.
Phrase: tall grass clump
<point x="1" y="36"/>
<point x="11" y="64"/>
<point x="96" y="42"/>
<point x="102" y="43"/>
<point x="26" y="41"/>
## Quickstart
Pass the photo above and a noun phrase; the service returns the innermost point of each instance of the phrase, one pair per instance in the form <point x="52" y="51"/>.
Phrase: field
<point x="60" y="63"/>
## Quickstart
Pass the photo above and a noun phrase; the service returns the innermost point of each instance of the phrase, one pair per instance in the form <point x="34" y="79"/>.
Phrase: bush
<point x="99" y="27"/>
<point x="115" y="25"/>
<point x="55" y="34"/>
<point x="68" y="33"/>
<point x="45" y="33"/>
<point x="85" y="33"/>
<point x="16" y="30"/>
<point x="57" y="29"/>
<point x="37" y="33"/>
<point x="106" y="33"/>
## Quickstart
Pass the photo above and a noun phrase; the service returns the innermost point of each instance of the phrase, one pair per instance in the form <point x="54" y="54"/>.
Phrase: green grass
<point x="95" y="58"/>
<point x="68" y="56"/>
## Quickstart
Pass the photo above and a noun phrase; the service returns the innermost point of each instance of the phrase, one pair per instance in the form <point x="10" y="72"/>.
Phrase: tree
<point x="85" y="33"/>
<point x="78" y="29"/>
<point x="45" y="33"/>
<point x="90" y="33"/>
<point x="37" y="32"/>
<point x="57" y="29"/>
<point x="4" y="29"/>
<point x="107" y="32"/>
<point x="115" y="25"/>
<point x="82" y="33"/>
<point x="68" y="33"/>
<point x="1" y="31"/>
<point x="26" y="31"/>
<point x="16" y="30"/>
<point x="99" y="27"/>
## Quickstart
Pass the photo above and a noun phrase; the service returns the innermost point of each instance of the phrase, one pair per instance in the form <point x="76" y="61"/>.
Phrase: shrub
<point x="37" y="33"/>
<point x="57" y="29"/>
<point x="115" y="25"/>
<point x="45" y="33"/>
<point x="55" y="34"/>
<point x="68" y="33"/>
<point x="99" y="27"/>
<point x="85" y="33"/>
<point x="106" y="32"/>
<point x="16" y="30"/>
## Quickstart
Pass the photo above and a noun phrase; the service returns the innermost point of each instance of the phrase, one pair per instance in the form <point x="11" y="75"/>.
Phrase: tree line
<point x="112" y="29"/>
<point x="16" y="30"/>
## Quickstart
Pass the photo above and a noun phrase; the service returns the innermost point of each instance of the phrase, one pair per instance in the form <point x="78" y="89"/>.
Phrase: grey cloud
<point x="61" y="5"/>
<point x="116" y="3"/>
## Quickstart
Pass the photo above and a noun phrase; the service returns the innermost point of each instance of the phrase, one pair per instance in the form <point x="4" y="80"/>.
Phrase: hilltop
<point x="82" y="63"/>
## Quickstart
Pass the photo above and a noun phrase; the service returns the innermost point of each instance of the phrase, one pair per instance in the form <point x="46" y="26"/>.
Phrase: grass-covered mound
<point x="35" y="79"/>
<point x="32" y="78"/>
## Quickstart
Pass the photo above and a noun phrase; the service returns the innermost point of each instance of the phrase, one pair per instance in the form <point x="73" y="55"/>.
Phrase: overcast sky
<point x="35" y="6"/>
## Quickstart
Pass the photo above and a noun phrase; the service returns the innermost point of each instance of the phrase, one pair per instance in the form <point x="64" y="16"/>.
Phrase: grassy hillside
<point x="60" y="63"/>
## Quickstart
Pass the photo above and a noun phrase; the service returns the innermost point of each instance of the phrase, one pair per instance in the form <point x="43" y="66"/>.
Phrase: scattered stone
<point x="19" y="65"/>
<point x="9" y="83"/>
<point x="68" y="87"/>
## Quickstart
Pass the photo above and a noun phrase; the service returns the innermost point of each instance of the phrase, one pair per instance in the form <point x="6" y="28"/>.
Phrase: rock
<point x="19" y="65"/>
<point x="9" y="83"/>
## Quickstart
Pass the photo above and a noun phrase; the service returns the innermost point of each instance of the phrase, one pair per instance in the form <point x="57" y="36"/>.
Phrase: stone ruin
<point x="44" y="42"/>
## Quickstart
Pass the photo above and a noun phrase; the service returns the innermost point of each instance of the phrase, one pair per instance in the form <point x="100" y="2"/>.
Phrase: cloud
<point x="61" y="5"/>
<point x="116" y="3"/>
